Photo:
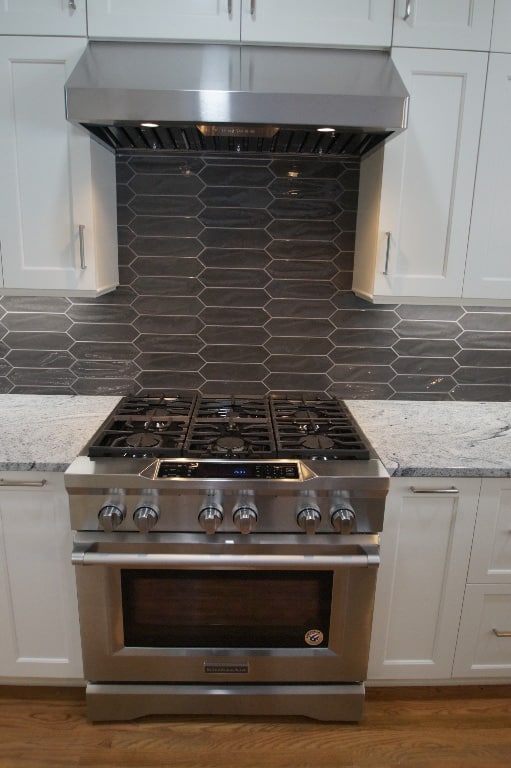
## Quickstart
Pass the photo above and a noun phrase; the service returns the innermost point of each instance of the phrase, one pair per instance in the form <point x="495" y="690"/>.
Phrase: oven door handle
<point x="369" y="558"/>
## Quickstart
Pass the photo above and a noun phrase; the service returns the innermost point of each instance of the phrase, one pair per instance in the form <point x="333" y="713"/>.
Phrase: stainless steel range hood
<point x="171" y="96"/>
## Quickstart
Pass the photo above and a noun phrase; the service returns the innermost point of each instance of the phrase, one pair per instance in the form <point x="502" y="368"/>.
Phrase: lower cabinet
<point x="425" y="553"/>
<point x="39" y="630"/>
<point x="484" y="645"/>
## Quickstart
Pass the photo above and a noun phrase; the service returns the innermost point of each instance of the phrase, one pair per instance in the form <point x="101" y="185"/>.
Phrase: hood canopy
<point x="188" y="96"/>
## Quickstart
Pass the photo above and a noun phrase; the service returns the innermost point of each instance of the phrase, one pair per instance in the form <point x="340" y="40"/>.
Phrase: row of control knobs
<point x="244" y="513"/>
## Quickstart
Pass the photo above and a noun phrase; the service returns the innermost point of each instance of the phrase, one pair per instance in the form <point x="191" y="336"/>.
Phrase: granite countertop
<point x="412" y="438"/>
<point x="46" y="432"/>
<point x="438" y="439"/>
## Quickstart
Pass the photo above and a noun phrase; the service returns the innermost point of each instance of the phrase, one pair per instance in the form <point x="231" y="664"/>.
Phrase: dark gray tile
<point x="235" y="334"/>
<point x="486" y="321"/>
<point x="425" y="365"/>
<point x="317" y="308"/>
<point x="105" y="387"/>
<point x="236" y="176"/>
<point x="418" y="383"/>
<point x="166" y="266"/>
<point x="304" y="209"/>
<point x="167" y="286"/>
<point x="5" y="368"/>
<point x="425" y="396"/>
<point x="309" y="168"/>
<point x="360" y="337"/>
<point x="246" y="258"/>
<point x="169" y="362"/>
<point x="165" y="246"/>
<point x="233" y="278"/>
<point x="485" y="358"/>
<point x="380" y="374"/>
<point x="298" y="364"/>
<point x="284" y="249"/>
<point x="426" y="348"/>
<point x="181" y="165"/>
<point x="367" y="318"/>
<point x="39" y="304"/>
<point x="161" y="342"/>
<point x="241" y="388"/>
<point x="36" y="321"/>
<point x="233" y="353"/>
<point x="92" y="350"/>
<point x="429" y="312"/>
<point x="233" y="372"/>
<point x="481" y="393"/>
<point x="166" y="226"/>
<point x="234" y="238"/>
<point x="42" y="377"/>
<point x="296" y="345"/>
<point x="485" y="340"/>
<point x="101" y="332"/>
<point x="165" y="205"/>
<point x="90" y="313"/>
<point x="307" y="189"/>
<point x="5" y="386"/>
<point x="300" y="289"/>
<point x="163" y="184"/>
<point x="161" y="381"/>
<point x="234" y="297"/>
<point x="362" y="356"/>
<point x="239" y="218"/>
<point x="233" y="316"/>
<point x="107" y="369"/>
<point x="296" y="326"/>
<point x="361" y="391"/>
<point x="40" y="389"/>
<point x="36" y="358"/>
<point x="168" y="305"/>
<point x="482" y="375"/>
<point x="171" y="324"/>
<point x="427" y="329"/>
<point x="235" y="197"/>
<point x="38" y="340"/>
<point x="304" y="382"/>
<point x="297" y="269"/>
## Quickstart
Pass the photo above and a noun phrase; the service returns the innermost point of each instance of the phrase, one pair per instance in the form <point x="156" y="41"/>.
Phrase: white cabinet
<point x="43" y="17"/>
<point x="501" y="33"/>
<point x="453" y="24"/>
<point x="57" y="196"/>
<point x="416" y="192"/>
<point x="488" y="271"/>
<point x="484" y="645"/>
<point x="323" y="22"/>
<point x="39" y="630"/>
<point x="425" y="551"/>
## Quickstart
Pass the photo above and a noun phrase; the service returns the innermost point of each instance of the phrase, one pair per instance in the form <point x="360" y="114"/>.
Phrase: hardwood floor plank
<point x="462" y="727"/>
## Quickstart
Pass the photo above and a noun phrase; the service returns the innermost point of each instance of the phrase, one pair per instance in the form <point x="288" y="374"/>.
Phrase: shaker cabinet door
<point x="452" y="24"/>
<point x="416" y="192"/>
<point x="425" y="550"/>
<point x="488" y="272"/>
<point x="322" y="22"/>
<point x="43" y="17"/>
<point x="39" y="632"/>
<point x="217" y="20"/>
<point x="57" y="195"/>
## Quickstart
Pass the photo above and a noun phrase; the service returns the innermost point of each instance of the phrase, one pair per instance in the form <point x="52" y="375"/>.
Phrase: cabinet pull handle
<point x="408" y="10"/>
<point x="501" y="632"/>
<point x="452" y="490"/>
<point x="72" y="5"/>
<point x="229" y="7"/>
<point x="22" y="483"/>
<point x="81" y="237"/>
<point x="252" y="7"/>
<point x="388" y="235"/>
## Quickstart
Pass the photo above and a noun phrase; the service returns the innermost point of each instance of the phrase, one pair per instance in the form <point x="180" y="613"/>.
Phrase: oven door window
<point x="226" y="609"/>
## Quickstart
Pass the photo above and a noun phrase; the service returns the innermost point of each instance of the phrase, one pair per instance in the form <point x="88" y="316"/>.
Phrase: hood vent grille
<point x="190" y="138"/>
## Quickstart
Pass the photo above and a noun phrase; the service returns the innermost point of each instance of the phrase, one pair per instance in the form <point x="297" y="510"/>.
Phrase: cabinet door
<point x="39" y="631"/>
<point x="414" y="210"/>
<point x="164" y="19"/>
<point x="323" y="22"/>
<point x="425" y="550"/>
<point x="43" y="17"/>
<point x="484" y="646"/>
<point x="56" y="198"/>
<point x="491" y="550"/>
<point x="488" y="272"/>
<point x="454" y="24"/>
<point x="501" y="33"/>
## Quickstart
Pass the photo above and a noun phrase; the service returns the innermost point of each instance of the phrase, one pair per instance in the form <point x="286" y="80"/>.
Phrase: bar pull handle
<point x="72" y="5"/>
<point x="451" y="490"/>
<point x="502" y="632"/>
<point x="229" y="7"/>
<point x="81" y="238"/>
<point x="408" y="10"/>
<point x="22" y="483"/>
<point x="252" y="7"/>
<point x="388" y="235"/>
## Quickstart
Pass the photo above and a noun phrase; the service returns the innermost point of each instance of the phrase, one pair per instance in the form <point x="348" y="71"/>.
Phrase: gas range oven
<point x="226" y="553"/>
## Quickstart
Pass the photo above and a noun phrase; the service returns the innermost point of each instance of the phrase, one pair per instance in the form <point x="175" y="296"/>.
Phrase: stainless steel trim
<point x="81" y="238"/>
<point x="408" y="10"/>
<point x="252" y="7"/>
<point x="218" y="561"/>
<point x="229" y="7"/>
<point x="451" y="490"/>
<point x="22" y="483"/>
<point x="387" y="253"/>
<point x="501" y="632"/>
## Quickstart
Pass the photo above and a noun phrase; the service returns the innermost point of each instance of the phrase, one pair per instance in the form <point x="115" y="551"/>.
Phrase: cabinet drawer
<point x="484" y="645"/>
<point x="490" y="561"/>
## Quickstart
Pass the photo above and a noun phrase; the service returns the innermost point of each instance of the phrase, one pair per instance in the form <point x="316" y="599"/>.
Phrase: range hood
<point x="210" y="97"/>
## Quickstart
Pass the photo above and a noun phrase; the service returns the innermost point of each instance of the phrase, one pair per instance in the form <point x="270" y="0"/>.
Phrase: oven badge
<point x="314" y="637"/>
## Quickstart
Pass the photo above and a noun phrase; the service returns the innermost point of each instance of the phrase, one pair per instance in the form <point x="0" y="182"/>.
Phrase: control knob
<point x="211" y="512"/>
<point x="309" y="516"/>
<point x="244" y="513"/>
<point x="145" y="517"/>
<point x="111" y="515"/>
<point x="342" y="514"/>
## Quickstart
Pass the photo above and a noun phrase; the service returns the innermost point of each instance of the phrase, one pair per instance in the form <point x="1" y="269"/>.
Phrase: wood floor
<point x="408" y="727"/>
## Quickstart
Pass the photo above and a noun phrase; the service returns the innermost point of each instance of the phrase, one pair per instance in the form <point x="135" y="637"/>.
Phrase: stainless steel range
<point x="226" y="553"/>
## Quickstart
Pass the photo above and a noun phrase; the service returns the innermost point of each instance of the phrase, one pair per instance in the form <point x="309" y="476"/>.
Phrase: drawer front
<point x="490" y="561"/>
<point x="484" y="645"/>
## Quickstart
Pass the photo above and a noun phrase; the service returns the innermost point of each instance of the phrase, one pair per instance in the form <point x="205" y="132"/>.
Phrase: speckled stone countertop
<point x="438" y="439"/>
<point x="412" y="438"/>
<point x="46" y="432"/>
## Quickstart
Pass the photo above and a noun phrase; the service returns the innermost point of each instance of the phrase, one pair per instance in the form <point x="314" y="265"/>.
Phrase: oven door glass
<point x="225" y="609"/>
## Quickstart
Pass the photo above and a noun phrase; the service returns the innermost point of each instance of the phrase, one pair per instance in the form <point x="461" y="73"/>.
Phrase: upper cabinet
<point x="453" y="24"/>
<point x="416" y="192"/>
<point x="501" y="33"/>
<point x="43" y="17"/>
<point x="300" y="22"/>
<point x="57" y="196"/>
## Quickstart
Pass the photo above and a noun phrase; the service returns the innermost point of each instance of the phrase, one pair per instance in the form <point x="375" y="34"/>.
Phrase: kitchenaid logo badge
<point x="314" y="637"/>
<point x="212" y="667"/>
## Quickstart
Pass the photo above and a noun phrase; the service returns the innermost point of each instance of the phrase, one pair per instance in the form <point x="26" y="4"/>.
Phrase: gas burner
<point x="230" y="409"/>
<point x="230" y="444"/>
<point x="317" y="443"/>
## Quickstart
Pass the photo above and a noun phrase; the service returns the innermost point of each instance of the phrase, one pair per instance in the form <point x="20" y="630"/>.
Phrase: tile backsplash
<point x="235" y="278"/>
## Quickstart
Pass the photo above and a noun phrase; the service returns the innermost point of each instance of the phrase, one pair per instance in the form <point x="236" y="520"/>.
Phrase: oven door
<point x="174" y="608"/>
